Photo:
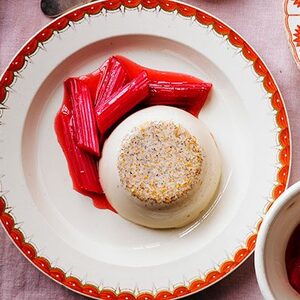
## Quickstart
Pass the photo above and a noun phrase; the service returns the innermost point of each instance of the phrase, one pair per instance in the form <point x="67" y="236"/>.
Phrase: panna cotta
<point x="160" y="168"/>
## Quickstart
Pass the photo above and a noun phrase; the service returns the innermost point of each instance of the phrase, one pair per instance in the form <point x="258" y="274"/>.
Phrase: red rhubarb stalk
<point x="82" y="166"/>
<point x="122" y="102"/>
<point x="113" y="78"/>
<point x="189" y="96"/>
<point x="84" y="117"/>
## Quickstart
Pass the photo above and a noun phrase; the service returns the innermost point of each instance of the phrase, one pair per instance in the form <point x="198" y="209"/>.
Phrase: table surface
<point x="261" y="23"/>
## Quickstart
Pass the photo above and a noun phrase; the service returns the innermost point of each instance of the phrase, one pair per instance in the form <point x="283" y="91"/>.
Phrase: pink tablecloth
<point x="261" y="23"/>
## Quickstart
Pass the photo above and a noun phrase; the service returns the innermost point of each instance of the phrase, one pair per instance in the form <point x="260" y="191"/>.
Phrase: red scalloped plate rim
<point x="241" y="254"/>
<point x="289" y="33"/>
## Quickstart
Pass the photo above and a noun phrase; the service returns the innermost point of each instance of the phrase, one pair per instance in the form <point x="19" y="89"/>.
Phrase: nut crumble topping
<point x="159" y="162"/>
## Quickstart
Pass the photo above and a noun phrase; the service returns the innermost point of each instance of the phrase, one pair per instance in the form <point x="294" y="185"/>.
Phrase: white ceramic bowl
<point x="274" y="234"/>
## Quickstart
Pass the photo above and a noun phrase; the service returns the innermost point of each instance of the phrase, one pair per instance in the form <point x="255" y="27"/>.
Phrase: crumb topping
<point x="159" y="162"/>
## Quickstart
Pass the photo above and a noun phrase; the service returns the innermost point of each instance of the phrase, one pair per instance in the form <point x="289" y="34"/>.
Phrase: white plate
<point x="96" y="252"/>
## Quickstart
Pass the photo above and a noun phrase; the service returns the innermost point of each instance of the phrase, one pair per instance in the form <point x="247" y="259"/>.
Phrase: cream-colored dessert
<point x="160" y="167"/>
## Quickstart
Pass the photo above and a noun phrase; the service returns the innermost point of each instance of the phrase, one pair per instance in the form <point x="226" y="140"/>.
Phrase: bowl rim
<point x="259" y="256"/>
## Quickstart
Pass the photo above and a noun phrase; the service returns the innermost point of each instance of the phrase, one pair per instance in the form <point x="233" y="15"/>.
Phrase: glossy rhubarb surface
<point x="85" y="129"/>
<point x="82" y="166"/>
<point x="188" y="96"/>
<point x="122" y="102"/>
<point x="113" y="78"/>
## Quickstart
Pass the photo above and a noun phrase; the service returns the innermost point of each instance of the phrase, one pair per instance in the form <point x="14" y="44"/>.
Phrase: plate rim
<point x="289" y="33"/>
<point x="201" y="16"/>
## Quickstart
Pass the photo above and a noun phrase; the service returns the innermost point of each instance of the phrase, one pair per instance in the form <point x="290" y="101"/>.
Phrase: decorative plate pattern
<point x="292" y="26"/>
<point x="13" y="74"/>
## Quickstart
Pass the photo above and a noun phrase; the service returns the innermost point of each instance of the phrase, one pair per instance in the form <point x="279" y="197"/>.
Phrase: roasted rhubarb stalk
<point x="113" y="78"/>
<point x="82" y="165"/>
<point x="189" y="96"/>
<point x="178" y="92"/>
<point x="122" y="102"/>
<point x="84" y="118"/>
